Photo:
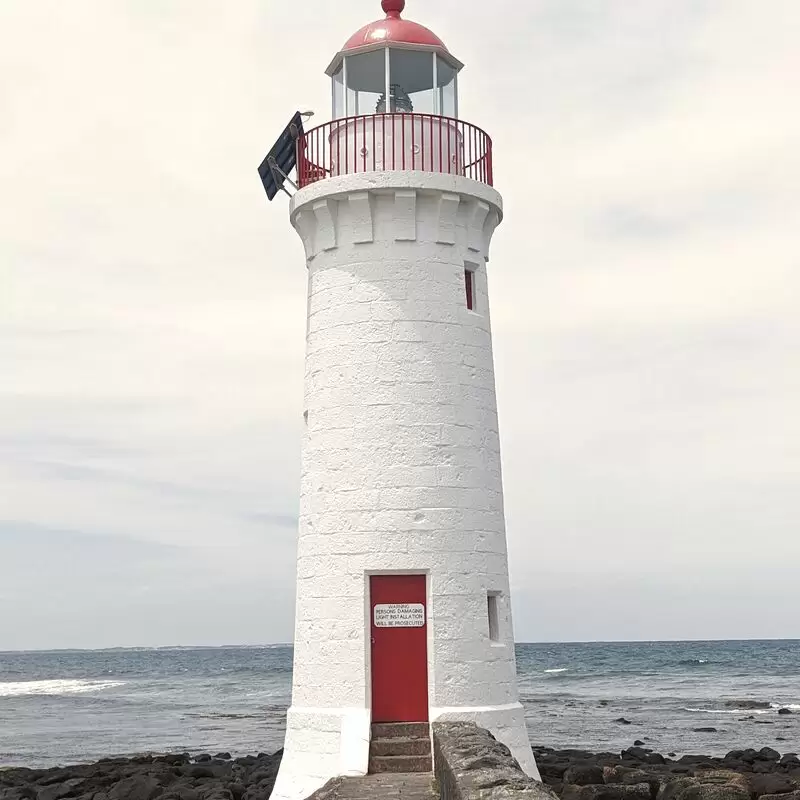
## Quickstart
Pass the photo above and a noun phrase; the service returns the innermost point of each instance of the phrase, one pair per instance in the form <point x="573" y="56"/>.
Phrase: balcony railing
<point x="383" y="142"/>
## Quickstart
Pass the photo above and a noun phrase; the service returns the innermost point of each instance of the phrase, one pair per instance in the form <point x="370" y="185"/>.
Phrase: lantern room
<point x="393" y="66"/>
<point x="395" y="107"/>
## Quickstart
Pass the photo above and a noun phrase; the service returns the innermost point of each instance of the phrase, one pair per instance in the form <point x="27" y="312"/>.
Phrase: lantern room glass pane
<point x="338" y="93"/>
<point x="411" y="79"/>
<point x="447" y="86"/>
<point x="366" y="82"/>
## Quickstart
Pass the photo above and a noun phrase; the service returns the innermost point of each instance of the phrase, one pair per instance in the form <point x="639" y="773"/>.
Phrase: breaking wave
<point x="746" y="707"/>
<point x="62" y="687"/>
<point x="729" y="710"/>
<point x="557" y="671"/>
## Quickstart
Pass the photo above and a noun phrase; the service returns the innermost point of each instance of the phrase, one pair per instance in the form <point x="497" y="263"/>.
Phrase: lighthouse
<point x="403" y="612"/>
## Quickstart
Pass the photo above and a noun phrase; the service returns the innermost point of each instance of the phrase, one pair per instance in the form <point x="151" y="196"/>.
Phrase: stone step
<point x="380" y="764"/>
<point x="388" y="786"/>
<point x="404" y="730"/>
<point x="400" y="746"/>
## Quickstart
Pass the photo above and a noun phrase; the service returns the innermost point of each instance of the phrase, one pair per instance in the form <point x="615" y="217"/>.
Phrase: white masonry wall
<point x="401" y="461"/>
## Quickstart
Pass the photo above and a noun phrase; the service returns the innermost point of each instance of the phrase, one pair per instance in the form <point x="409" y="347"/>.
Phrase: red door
<point x="399" y="623"/>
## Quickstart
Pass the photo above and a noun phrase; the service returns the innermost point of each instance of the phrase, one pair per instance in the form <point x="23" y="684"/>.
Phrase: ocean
<point x="73" y="706"/>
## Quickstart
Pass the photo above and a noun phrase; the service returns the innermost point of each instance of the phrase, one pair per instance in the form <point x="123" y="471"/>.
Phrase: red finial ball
<point x="393" y="8"/>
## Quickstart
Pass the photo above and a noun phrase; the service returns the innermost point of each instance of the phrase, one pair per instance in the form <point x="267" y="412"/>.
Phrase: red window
<point x="469" y="286"/>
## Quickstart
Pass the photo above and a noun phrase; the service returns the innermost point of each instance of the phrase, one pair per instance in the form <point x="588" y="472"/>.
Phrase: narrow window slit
<point x="469" y="287"/>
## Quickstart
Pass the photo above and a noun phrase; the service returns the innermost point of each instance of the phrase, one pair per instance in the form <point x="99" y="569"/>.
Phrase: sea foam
<point x="57" y="687"/>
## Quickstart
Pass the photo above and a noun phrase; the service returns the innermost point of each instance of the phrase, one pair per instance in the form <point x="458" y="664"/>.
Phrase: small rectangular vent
<point x="494" y="616"/>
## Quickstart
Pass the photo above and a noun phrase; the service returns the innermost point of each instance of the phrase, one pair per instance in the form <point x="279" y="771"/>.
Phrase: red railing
<point x="381" y="142"/>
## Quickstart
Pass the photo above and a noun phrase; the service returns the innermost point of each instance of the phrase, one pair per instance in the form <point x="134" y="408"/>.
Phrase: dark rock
<point x="200" y="771"/>
<point x="637" y="791"/>
<point x="188" y="793"/>
<point x="222" y="757"/>
<point x="746" y="704"/>
<point x="551" y="773"/>
<point x="632" y="777"/>
<point x="577" y="755"/>
<point x="704" y="730"/>
<point x="789" y="796"/>
<point x="139" y="787"/>
<point x="583" y="774"/>
<point x="784" y="711"/>
<point x="724" y="777"/>
<point x="174" y="759"/>
<point x="203" y="758"/>
<point x="641" y="755"/>
<point x="765" y="722"/>
<point x="603" y="702"/>
<point x="790" y="759"/>
<point x="712" y="791"/>
<point x="693" y="760"/>
<point x="623" y="721"/>
<point x="771" y="783"/>
<point x="50" y="777"/>
<point x="263" y="774"/>
<point x="18" y="793"/>
<point x="674" y="787"/>
<point x="58" y="791"/>
<point x="768" y="754"/>
<point x="613" y="774"/>
<point x="607" y="792"/>
<point x="638" y="743"/>
<point x="733" y="755"/>
<point x="216" y="793"/>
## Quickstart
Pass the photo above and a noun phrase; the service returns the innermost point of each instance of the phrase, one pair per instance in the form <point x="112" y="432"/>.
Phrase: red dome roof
<point x="393" y="29"/>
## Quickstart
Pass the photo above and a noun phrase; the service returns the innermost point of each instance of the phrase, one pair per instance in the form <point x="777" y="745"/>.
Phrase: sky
<point x="645" y="288"/>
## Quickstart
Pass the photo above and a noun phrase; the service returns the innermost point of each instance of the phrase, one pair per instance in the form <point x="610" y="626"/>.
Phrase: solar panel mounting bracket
<point x="274" y="168"/>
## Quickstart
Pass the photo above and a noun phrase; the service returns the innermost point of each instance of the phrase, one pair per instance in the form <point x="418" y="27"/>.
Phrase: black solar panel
<point x="283" y="156"/>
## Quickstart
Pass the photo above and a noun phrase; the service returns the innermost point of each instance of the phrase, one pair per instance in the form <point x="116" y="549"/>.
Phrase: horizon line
<point x="277" y="645"/>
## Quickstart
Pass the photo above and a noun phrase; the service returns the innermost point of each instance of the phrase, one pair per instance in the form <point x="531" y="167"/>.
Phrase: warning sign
<point x="399" y="615"/>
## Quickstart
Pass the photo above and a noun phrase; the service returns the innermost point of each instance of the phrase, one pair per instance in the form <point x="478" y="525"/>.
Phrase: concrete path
<point x="385" y="786"/>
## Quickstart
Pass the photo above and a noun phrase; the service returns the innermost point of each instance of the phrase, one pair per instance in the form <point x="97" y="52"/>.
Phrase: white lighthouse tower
<point x="403" y="607"/>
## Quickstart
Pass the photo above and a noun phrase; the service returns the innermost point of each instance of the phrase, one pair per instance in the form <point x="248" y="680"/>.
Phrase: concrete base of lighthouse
<point x="326" y="743"/>
<point x="401" y="465"/>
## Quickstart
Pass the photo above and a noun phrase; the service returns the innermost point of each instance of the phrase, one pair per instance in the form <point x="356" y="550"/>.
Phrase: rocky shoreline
<point x="639" y="773"/>
<point x="636" y="773"/>
<point x="166" y="777"/>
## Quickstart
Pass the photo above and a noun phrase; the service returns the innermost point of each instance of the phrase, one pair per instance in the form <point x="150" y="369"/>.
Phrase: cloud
<point x="645" y="287"/>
